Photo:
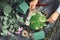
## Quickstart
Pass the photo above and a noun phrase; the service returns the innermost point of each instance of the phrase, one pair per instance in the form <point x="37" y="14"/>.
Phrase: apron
<point x="49" y="8"/>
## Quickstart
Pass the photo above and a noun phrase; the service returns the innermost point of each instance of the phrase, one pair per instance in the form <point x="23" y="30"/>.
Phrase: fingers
<point x="50" y="20"/>
<point x="32" y="5"/>
<point x="53" y="17"/>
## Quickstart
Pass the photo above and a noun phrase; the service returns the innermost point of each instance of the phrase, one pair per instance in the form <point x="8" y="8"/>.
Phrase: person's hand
<point x="33" y="4"/>
<point x="50" y="20"/>
<point x="53" y="17"/>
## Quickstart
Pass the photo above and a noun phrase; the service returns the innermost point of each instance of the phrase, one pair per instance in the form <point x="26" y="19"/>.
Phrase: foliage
<point x="10" y="21"/>
<point x="37" y="21"/>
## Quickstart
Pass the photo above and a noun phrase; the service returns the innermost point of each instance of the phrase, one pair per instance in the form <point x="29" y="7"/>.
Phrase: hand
<point x="53" y="17"/>
<point x="33" y="4"/>
<point x="50" y="20"/>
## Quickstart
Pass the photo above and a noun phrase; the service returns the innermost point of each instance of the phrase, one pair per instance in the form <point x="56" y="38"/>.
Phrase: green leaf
<point x="12" y="35"/>
<point x="11" y="21"/>
<point x="5" y="27"/>
<point x="21" y="20"/>
<point x="2" y="34"/>
<point x="34" y="17"/>
<point x="16" y="25"/>
<point x="17" y="16"/>
<point x="10" y="29"/>
<point x="42" y="19"/>
<point x="13" y="30"/>
<point x="5" y="32"/>
<point x="11" y="26"/>
<point x="5" y="18"/>
<point x="7" y="10"/>
<point x="4" y="22"/>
